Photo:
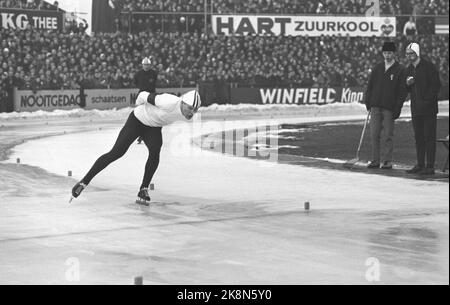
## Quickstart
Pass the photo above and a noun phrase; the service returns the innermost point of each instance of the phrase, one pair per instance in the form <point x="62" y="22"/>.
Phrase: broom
<point x="352" y="162"/>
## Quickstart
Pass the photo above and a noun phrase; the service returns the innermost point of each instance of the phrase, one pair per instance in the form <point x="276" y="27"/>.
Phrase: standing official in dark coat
<point x="423" y="84"/>
<point x="385" y="94"/>
<point x="145" y="79"/>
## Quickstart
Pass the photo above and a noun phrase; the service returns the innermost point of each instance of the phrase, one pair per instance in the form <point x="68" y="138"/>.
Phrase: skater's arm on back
<point x="166" y="101"/>
<point x="145" y="97"/>
<point x="163" y="101"/>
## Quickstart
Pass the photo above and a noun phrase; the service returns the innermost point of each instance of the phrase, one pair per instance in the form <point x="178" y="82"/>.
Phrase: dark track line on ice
<point x="200" y="221"/>
<point x="190" y="222"/>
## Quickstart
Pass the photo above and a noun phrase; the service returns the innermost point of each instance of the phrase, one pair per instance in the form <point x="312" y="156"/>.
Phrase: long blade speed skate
<point x="143" y="198"/>
<point x="76" y="190"/>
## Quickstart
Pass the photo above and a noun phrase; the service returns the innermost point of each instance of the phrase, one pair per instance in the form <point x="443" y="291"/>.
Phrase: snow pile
<point x="215" y="109"/>
<point x="277" y="107"/>
<point x="335" y="108"/>
<point x="66" y="113"/>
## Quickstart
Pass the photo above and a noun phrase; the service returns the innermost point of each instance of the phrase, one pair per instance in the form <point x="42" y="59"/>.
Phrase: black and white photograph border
<point x="223" y="148"/>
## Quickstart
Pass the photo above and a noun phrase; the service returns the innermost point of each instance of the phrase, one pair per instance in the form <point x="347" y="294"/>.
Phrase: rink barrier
<point x="102" y="99"/>
<point x="89" y="99"/>
<point x="270" y="94"/>
<point x="298" y="95"/>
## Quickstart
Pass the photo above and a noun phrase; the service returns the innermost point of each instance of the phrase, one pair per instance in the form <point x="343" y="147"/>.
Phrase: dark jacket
<point x="425" y="90"/>
<point x="146" y="80"/>
<point x="387" y="89"/>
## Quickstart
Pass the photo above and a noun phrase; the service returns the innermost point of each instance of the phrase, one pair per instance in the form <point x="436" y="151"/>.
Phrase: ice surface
<point x="215" y="219"/>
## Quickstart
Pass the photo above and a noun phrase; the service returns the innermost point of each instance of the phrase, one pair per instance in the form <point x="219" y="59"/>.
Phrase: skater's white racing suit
<point x="158" y="110"/>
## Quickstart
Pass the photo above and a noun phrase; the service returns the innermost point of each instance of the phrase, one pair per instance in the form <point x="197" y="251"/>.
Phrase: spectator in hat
<point x="423" y="84"/>
<point x="385" y="94"/>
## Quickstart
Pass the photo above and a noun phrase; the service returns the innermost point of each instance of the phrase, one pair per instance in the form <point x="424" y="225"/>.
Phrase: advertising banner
<point x="49" y="100"/>
<point x="46" y="100"/>
<point x="299" y="96"/>
<point x="109" y="99"/>
<point x="20" y="19"/>
<point x="311" y="26"/>
<point x="441" y="25"/>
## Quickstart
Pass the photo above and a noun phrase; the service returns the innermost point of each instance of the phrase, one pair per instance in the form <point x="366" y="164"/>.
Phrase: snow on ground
<point x="214" y="110"/>
<point x="215" y="219"/>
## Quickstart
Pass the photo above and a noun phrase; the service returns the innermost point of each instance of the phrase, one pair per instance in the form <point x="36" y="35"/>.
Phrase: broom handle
<point x="362" y="135"/>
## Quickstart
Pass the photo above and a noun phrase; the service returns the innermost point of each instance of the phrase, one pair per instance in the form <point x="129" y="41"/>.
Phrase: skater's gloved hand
<point x="368" y="107"/>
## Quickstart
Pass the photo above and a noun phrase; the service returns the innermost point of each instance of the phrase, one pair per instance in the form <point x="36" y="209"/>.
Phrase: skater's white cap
<point x="192" y="98"/>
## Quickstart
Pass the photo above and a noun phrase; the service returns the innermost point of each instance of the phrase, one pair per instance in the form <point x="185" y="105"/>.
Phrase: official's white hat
<point x="192" y="98"/>
<point x="146" y="61"/>
<point x="415" y="47"/>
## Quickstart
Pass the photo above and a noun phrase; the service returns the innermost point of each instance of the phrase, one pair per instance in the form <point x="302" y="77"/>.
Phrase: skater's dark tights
<point x="133" y="128"/>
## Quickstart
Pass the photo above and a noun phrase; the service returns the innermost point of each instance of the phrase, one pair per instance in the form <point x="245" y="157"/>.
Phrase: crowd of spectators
<point x="427" y="7"/>
<point x="185" y="56"/>
<point x="166" y="23"/>
<point x="30" y="4"/>
<point x="344" y="7"/>
<point x="35" y="60"/>
<point x="421" y="11"/>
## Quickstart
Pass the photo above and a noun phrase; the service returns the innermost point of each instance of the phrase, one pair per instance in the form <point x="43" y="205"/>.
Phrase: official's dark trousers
<point x="425" y="135"/>
<point x="382" y="134"/>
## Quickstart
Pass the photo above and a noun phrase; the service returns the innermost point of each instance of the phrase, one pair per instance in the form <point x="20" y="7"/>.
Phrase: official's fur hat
<point x="389" y="46"/>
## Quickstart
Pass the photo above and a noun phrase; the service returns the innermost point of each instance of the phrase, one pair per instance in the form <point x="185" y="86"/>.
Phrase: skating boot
<point x="77" y="189"/>
<point x="143" y="197"/>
